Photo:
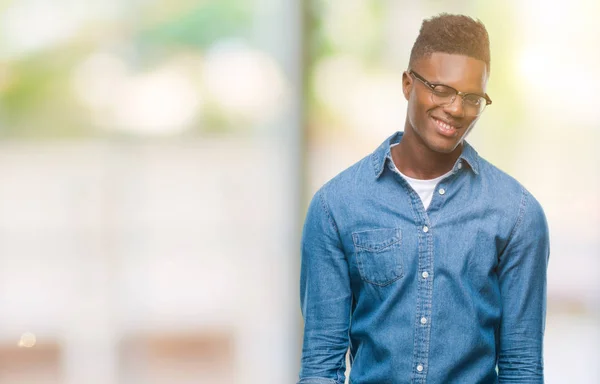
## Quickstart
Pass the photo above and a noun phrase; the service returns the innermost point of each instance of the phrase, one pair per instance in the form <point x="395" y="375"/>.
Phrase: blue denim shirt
<point x="443" y="295"/>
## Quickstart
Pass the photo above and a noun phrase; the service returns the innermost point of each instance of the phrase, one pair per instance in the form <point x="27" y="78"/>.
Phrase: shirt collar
<point x="383" y="153"/>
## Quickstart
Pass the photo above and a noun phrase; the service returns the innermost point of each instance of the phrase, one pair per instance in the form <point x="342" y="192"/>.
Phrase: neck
<point x="414" y="159"/>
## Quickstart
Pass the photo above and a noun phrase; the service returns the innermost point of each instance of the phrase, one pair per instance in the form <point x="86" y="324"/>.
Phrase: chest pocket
<point x="378" y="255"/>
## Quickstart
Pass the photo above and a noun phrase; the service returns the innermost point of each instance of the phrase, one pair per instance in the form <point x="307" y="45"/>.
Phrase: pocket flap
<point x="376" y="240"/>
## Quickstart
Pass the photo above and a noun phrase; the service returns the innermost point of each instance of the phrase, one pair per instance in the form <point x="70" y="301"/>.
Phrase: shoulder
<point x="328" y="198"/>
<point x="348" y="181"/>
<point x="499" y="180"/>
<point x="510" y="193"/>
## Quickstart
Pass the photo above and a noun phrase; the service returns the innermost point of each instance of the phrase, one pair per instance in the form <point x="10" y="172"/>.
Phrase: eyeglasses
<point x="443" y="95"/>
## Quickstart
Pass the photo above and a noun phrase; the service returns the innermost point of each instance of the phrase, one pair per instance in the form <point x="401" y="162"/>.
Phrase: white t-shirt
<point x="424" y="188"/>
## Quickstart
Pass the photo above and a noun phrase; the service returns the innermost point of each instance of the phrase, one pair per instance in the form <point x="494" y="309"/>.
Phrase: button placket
<point x="424" y="296"/>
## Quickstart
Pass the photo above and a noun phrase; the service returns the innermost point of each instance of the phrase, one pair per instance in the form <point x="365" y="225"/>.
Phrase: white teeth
<point x="445" y="126"/>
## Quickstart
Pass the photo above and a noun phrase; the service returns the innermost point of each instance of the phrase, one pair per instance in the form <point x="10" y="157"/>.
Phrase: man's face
<point x="442" y="128"/>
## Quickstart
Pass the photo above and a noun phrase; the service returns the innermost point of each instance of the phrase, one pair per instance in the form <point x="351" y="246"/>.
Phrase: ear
<point x="407" y="84"/>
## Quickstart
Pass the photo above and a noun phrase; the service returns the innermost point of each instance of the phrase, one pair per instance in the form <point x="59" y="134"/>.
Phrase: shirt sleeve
<point x="325" y="297"/>
<point x="522" y="276"/>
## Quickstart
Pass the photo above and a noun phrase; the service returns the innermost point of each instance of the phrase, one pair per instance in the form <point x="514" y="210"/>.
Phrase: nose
<point x="455" y="108"/>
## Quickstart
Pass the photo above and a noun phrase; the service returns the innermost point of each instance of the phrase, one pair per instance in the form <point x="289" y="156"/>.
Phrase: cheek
<point x="413" y="112"/>
<point x="418" y="107"/>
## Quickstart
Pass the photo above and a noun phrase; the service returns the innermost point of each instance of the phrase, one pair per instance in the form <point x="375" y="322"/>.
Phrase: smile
<point x="445" y="128"/>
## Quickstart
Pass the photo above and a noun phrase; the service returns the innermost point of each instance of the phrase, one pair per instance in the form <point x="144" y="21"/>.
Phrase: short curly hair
<point x="453" y="34"/>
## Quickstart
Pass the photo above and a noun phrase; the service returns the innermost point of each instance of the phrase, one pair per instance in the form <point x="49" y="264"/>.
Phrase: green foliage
<point x="38" y="101"/>
<point x="201" y="25"/>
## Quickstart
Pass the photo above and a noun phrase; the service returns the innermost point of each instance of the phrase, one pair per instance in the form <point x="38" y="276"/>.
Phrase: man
<point x="423" y="259"/>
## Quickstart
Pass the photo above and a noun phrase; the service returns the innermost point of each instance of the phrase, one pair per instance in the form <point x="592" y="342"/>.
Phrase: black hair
<point x="453" y="34"/>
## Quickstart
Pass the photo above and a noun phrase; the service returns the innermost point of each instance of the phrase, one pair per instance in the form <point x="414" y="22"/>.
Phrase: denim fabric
<point x="443" y="295"/>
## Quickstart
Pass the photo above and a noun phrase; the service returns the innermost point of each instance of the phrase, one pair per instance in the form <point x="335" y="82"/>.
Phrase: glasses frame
<point x="432" y="86"/>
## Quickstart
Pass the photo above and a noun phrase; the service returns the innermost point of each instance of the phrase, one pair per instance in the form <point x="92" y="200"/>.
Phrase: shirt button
<point x="423" y="320"/>
<point x="459" y="165"/>
<point x="425" y="274"/>
<point x="420" y="368"/>
<point x="442" y="191"/>
<point x="425" y="229"/>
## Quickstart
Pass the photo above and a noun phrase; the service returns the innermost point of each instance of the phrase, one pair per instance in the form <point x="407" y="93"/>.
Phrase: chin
<point x="444" y="147"/>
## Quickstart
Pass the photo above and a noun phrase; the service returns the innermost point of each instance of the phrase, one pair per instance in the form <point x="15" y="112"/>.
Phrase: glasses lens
<point x="443" y="95"/>
<point x="474" y="104"/>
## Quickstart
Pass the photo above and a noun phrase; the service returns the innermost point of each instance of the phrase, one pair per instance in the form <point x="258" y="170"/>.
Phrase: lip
<point x="445" y="128"/>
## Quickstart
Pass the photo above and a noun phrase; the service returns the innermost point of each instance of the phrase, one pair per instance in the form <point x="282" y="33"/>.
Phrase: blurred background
<point x="157" y="157"/>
